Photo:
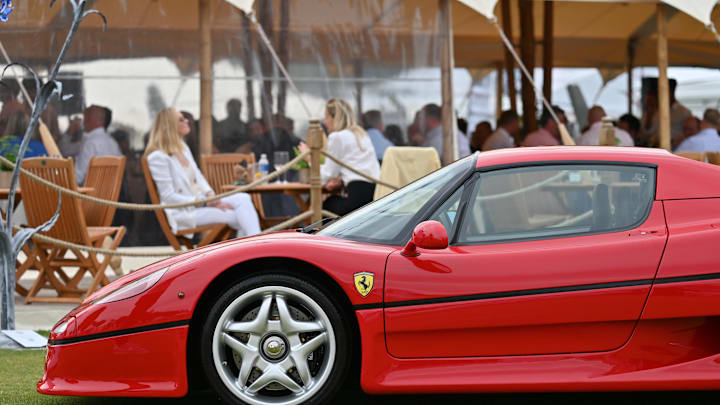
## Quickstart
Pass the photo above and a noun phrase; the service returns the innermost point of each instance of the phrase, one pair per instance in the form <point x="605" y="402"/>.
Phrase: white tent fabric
<point x="484" y="7"/>
<point x="698" y="9"/>
<point x="245" y="5"/>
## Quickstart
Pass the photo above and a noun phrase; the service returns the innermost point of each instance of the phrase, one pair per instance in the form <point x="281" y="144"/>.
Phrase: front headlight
<point x="138" y="286"/>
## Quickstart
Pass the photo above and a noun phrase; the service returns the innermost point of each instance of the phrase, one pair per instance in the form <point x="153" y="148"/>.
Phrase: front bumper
<point x="148" y="363"/>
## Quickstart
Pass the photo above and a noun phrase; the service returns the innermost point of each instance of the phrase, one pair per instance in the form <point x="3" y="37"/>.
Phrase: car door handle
<point x="647" y="232"/>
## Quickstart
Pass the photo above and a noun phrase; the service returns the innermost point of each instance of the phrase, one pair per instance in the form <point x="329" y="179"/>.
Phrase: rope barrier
<point x="153" y="207"/>
<point x="330" y="214"/>
<point x="376" y="181"/>
<point x="290" y="222"/>
<point x="69" y="245"/>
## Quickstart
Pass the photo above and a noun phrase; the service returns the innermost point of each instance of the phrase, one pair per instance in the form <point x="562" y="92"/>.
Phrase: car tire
<point x="275" y="339"/>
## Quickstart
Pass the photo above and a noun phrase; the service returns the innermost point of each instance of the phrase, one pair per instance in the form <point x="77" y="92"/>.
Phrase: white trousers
<point x="242" y="217"/>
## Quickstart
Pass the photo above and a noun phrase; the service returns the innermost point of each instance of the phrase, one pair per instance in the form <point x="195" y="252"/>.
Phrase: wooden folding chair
<point x="105" y="175"/>
<point x="212" y="233"/>
<point x="40" y="205"/>
<point x="699" y="156"/>
<point x="218" y="169"/>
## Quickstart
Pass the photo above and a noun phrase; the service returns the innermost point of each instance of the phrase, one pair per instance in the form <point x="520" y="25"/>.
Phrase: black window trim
<point x="514" y="165"/>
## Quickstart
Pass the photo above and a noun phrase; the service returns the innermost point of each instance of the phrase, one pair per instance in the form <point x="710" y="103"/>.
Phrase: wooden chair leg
<point x="29" y="263"/>
<point x="212" y="236"/>
<point x="43" y="278"/>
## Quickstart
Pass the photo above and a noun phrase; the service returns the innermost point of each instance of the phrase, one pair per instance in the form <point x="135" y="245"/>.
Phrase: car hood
<point x="242" y="243"/>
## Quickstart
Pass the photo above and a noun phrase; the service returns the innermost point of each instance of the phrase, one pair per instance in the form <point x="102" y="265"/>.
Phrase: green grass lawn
<point x="21" y="369"/>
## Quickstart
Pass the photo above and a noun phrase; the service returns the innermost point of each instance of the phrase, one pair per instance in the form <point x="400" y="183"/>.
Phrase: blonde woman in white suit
<point x="178" y="180"/>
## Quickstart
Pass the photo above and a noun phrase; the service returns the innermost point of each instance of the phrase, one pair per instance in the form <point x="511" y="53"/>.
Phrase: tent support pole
<point x="499" y="97"/>
<point x="663" y="89"/>
<point x="448" y="64"/>
<point x="284" y="51"/>
<point x="509" y="63"/>
<point x="548" y="40"/>
<point x="527" y="50"/>
<point x="358" y="73"/>
<point x="631" y="65"/>
<point x="247" y="35"/>
<point x="205" y="78"/>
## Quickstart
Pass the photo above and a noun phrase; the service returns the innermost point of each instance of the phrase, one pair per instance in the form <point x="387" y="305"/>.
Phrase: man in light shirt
<point x="373" y="124"/>
<point x="504" y="137"/>
<point x="707" y="140"/>
<point x="592" y="135"/>
<point x="96" y="141"/>
<point x="430" y="120"/>
<point x="651" y="116"/>
<point x="549" y="132"/>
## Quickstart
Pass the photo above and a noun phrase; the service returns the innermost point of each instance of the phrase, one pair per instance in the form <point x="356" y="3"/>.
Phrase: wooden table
<point x="297" y="190"/>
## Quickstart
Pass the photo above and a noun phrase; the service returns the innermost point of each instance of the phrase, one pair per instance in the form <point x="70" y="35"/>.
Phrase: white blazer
<point x="173" y="186"/>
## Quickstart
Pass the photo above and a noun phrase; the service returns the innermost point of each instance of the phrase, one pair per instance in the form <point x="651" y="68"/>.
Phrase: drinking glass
<point x="280" y="159"/>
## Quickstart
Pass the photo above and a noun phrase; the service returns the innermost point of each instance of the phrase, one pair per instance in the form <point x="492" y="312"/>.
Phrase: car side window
<point x="447" y="214"/>
<point x="552" y="201"/>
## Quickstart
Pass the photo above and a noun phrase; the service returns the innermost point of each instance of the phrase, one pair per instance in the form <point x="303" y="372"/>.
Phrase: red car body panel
<point x="669" y="354"/>
<point x="134" y="365"/>
<point x="612" y="311"/>
<point x="507" y="292"/>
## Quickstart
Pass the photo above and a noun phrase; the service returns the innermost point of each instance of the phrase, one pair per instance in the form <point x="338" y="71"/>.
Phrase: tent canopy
<point x="399" y="33"/>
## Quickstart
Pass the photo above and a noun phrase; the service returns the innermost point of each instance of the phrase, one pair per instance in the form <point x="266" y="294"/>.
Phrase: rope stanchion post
<point x="315" y="142"/>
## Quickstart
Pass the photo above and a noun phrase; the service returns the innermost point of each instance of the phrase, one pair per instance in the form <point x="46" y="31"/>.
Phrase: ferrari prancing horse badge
<point x="364" y="282"/>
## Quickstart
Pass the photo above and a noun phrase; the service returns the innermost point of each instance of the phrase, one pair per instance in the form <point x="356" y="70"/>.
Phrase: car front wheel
<point x="275" y="339"/>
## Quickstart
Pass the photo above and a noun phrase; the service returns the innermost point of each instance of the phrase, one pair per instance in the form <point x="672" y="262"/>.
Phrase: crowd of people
<point x="688" y="133"/>
<point x="172" y="145"/>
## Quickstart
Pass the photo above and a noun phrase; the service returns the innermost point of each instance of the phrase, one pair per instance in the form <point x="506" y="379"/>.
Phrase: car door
<point x="542" y="259"/>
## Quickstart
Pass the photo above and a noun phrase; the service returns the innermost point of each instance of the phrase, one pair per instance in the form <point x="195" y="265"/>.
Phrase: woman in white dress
<point x="178" y="180"/>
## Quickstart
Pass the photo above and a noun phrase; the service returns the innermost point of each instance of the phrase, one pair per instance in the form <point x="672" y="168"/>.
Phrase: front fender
<point x="175" y="297"/>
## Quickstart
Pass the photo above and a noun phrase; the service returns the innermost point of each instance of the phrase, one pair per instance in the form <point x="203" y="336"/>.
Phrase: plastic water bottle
<point x="263" y="165"/>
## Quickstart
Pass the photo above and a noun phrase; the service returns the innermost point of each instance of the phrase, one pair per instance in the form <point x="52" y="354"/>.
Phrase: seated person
<point x="95" y="141"/>
<point x="179" y="180"/>
<point x="707" y="140"/>
<point x="349" y="143"/>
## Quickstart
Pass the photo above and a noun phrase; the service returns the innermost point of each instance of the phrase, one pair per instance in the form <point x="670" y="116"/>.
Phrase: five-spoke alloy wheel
<point x="274" y="339"/>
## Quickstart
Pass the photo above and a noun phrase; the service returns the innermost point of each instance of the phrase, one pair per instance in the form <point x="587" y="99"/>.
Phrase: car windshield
<point x="384" y="220"/>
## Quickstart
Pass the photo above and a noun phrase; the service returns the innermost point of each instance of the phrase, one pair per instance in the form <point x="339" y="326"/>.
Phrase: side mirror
<point x="426" y="235"/>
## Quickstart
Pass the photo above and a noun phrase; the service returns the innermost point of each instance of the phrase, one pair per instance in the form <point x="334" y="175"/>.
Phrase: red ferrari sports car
<point x="532" y="269"/>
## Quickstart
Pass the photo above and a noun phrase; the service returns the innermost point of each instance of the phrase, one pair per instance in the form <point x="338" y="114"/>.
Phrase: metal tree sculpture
<point x="10" y="244"/>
